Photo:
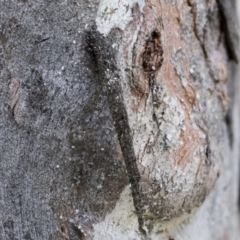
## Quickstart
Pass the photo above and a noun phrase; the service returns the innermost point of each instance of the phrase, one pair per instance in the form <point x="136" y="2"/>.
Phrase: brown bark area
<point x="190" y="83"/>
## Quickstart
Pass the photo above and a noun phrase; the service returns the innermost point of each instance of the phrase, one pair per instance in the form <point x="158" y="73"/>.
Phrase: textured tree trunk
<point x="119" y="120"/>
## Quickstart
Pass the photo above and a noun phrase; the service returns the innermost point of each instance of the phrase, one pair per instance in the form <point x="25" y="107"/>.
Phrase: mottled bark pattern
<point x="113" y="120"/>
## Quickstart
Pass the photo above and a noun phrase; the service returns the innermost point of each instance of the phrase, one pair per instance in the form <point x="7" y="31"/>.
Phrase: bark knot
<point x="152" y="57"/>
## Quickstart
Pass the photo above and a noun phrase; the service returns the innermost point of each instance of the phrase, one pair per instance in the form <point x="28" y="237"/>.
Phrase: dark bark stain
<point x="230" y="28"/>
<point x="229" y="124"/>
<point x="9" y="228"/>
<point x="42" y="40"/>
<point x="153" y="54"/>
<point x="78" y="233"/>
<point x="106" y="62"/>
<point x="64" y="232"/>
<point x="3" y="39"/>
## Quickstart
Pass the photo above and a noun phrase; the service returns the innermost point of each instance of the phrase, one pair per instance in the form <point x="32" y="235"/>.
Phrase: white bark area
<point x="121" y="223"/>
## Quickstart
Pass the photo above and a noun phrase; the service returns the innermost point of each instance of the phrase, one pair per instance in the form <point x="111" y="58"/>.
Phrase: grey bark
<point x="67" y="143"/>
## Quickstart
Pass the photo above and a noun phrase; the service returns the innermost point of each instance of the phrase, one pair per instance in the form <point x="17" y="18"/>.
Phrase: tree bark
<point x="119" y="120"/>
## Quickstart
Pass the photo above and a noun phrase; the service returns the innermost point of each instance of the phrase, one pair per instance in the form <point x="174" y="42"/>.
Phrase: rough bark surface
<point x="118" y="120"/>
